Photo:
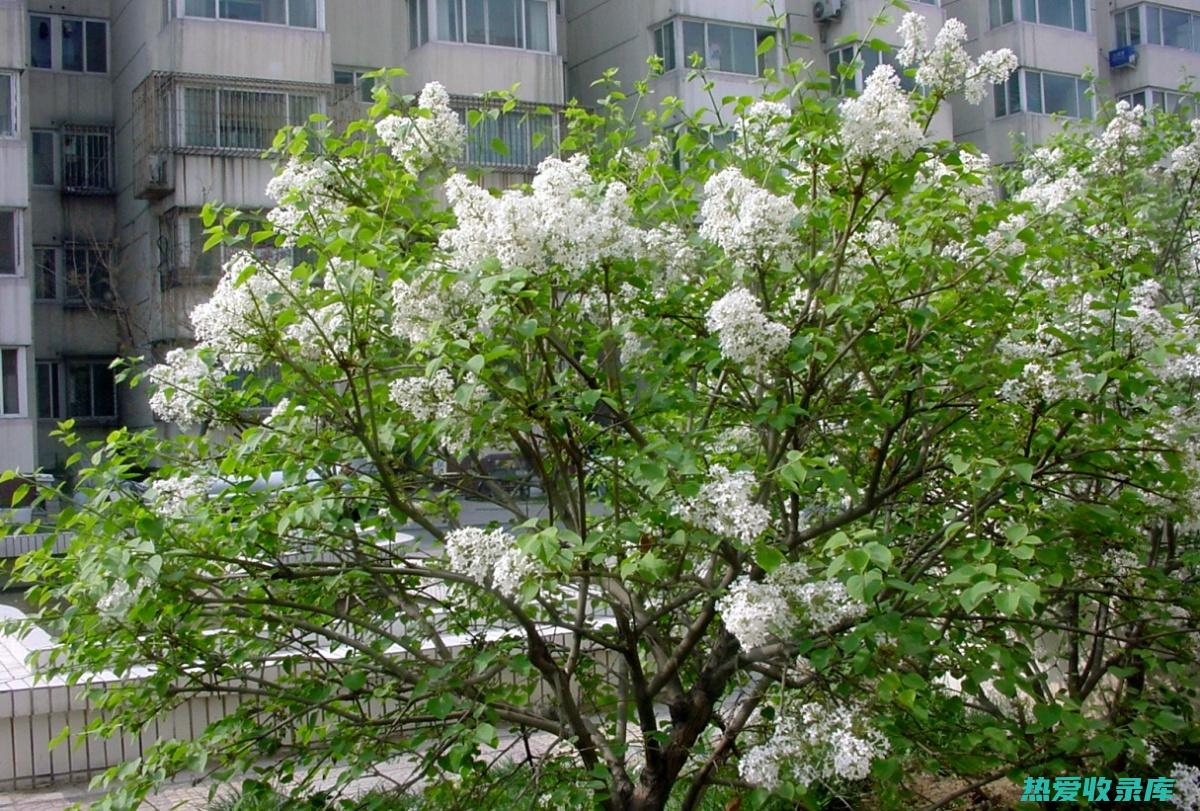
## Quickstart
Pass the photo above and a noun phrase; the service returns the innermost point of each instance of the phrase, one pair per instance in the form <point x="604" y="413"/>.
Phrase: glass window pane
<point x="744" y="58"/>
<point x="537" y="25"/>
<point x="1007" y="11"/>
<point x="994" y="13"/>
<point x="1054" y="12"/>
<point x="1176" y="28"/>
<point x="200" y="117"/>
<point x="43" y="158"/>
<point x="8" y="243"/>
<point x="720" y="48"/>
<point x="302" y="13"/>
<point x="449" y="27"/>
<point x="1033" y="91"/>
<point x="7" y="124"/>
<point x="414" y="23"/>
<point x="1013" y="86"/>
<point x="476" y="27"/>
<point x="1122" y="33"/>
<point x="40" y="52"/>
<point x="300" y="108"/>
<point x="46" y="267"/>
<point x="768" y="59"/>
<point x="47" y="394"/>
<point x="366" y="87"/>
<point x="1079" y="14"/>
<point x="72" y="45"/>
<point x="1134" y="21"/>
<point x="693" y="42"/>
<point x="200" y="8"/>
<point x="1060" y="95"/>
<point x="1153" y="26"/>
<point x="504" y="23"/>
<point x="998" y="99"/>
<point x="104" y="391"/>
<point x="97" y="47"/>
<point x="10" y="393"/>
<point x="1084" y="101"/>
<point x="79" y="391"/>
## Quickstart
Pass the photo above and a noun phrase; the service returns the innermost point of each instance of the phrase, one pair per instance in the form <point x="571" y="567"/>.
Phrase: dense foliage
<point x="857" y="468"/>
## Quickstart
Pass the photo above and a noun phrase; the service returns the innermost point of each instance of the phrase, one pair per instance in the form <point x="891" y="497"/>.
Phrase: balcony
<point x="513" y="141"/>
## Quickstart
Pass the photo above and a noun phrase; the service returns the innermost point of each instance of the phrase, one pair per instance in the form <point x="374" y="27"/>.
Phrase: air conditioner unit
<point x="1126" y="57"/>
<point x="827" y="10"/>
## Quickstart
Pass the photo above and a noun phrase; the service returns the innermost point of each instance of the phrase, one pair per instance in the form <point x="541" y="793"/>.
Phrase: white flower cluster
<point x="879" y="122"/>
<point x="179" y="388"/>
<point x="566" y="220"/>
<point x="761" y="129"/>
<point x="174" y="497"/>
<point x="1044" y="376"/>
<point x="1185" y="160"/>
<point x="1187" y="787"/>
<point x="1048" y="186"/>
<point x="1122" y="563"/>
<point x="116" y="602"/>
<point x="875" y="237"/>
<point x="972" y="178"/>
<point x="425" y="398"/>
<point x="820" y="743"/>
<point x="725" y="506"/>
<point x="1120" y="142"/>
<point x="946" y="68"/>
<point x="744" y="219"/>
<point x="434" y="135"/>
<point x="303" y="186"/>
<point x="667" y="246"/>
<point x="490" y="558"/>
<point x="747" y="337"/>
<point x="321" y="334"/>
<point x="232" y="321"/>
<point x="783" y="602"/>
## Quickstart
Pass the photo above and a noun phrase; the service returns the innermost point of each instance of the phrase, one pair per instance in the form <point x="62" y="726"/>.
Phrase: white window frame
<point x="1153" y="34"/>
<point x="846" y="54"/>
<point x="1026" y="72"/>
<point x="18" y="232"/>
<point x="22" y="385"/>
<point x="666" y="40"/>
<point x="54" y="368"/>
<point x="759" y="61"/>
<point x="1071" y="5"/>
<point x="178" y="9"/>
<point x="14" y="103"/>
<point x="362" y="89"/>
<point x="1018" y="77"/>
<point x="1155" y="99"/>
<point x="56" y="60"/>
<point x="1125" y="15"/>
<point x="436" y="33"/>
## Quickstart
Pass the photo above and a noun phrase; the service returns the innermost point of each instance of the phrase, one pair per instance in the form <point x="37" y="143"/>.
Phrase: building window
<point x="728" y="48"/>
<point x="10" y="243"/>
<point x="1168" y="101"/>
<point x="507" y="23"/>
<point x="296" y="13"/>
<point x="241" y="119"/>
<point x="87" y="160"/>
<point x="88" y="276"/>
<point x="1006" y="96"/>
<point x="68" y="43"/>
<point x="664" y="45"/>
<point x="45" y="264"/>
<point x="512" y="139"/>
<point x="1172" y="27"/>
<point x="1129" y="27"/>
<point x="418" y="23"/>
<point x="1057" y="93"/>
<point x="868" y="59"/>
<point x="1000" y="12"/>
<point x="8" y="104"/>
<point x="43" y="171"/>
<point x="355" y="77"/>
<point x="10" y="381"/>
<point x="91" y="390"/>
<point x="1061" y="13"/>
<point x="49" y="390"/>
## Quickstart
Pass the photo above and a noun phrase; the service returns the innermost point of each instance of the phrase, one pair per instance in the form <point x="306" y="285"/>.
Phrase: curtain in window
<point x="40" y="53"/>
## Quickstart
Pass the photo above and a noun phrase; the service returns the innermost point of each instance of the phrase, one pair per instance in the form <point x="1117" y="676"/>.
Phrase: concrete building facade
<point x="120" y="119"/>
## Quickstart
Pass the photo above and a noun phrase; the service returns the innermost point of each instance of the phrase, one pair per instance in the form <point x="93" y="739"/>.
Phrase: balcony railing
<point x="514" y="140"/>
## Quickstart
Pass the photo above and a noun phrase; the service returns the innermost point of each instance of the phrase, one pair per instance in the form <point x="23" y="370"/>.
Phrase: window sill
<point x="487" y="45"/>
<point x="264" y="24"/>
<point x="712" y="72"/>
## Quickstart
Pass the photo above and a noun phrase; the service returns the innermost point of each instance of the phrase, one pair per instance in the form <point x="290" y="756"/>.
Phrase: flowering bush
<point x="850" y="476"/>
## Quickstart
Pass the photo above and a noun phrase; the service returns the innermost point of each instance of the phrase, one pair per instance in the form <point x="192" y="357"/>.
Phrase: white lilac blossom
<point x="818" y="743"/>
<point x="754" y="612"/>
<point x="321" y="334"/>
<point x="489" y="558"/>
<point x="667" y="246"/>
<point x="1187" y="787"/>
<point x="425" y="398"/>
<point x="180" y="385"/>
<point x="744" y="219"/>
<point x="115" y="603"/>
<point x="305" y="186"/>
<point x="879" y="123"/>
<point x="433" y="135"/>
<point x="971" y="178"/>
<point x="1049" y="185"/>
<point x="946" y="68"/>
<point x="725" y="506"/>
<point x="567" y="220"/>
<point x="745" y="334"/>
<point x="240" y="312"/>
<point x="761" y="129"/>
<point x="875" y="237"/>
<point x="1185" y="160"/>
<point x="174" y="497"/>
<point x="1120" y="142"/>
<point x="826" y="603"/>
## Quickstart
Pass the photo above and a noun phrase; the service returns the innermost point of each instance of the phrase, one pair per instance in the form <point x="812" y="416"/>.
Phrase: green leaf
<point x="975" y="594"/>
<point x="476" y="363"/>
<point x="768" y="557"/>
<point x="355" y="680"/>
<point x="1007" y="602"/>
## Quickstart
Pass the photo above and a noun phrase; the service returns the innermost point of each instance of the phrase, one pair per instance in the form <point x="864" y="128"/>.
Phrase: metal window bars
<point x="87" y="165"/>
<point x="517" y="139"/>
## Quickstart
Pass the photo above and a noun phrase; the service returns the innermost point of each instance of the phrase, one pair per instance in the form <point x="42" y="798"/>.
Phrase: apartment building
<point x="120" y="119"/>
